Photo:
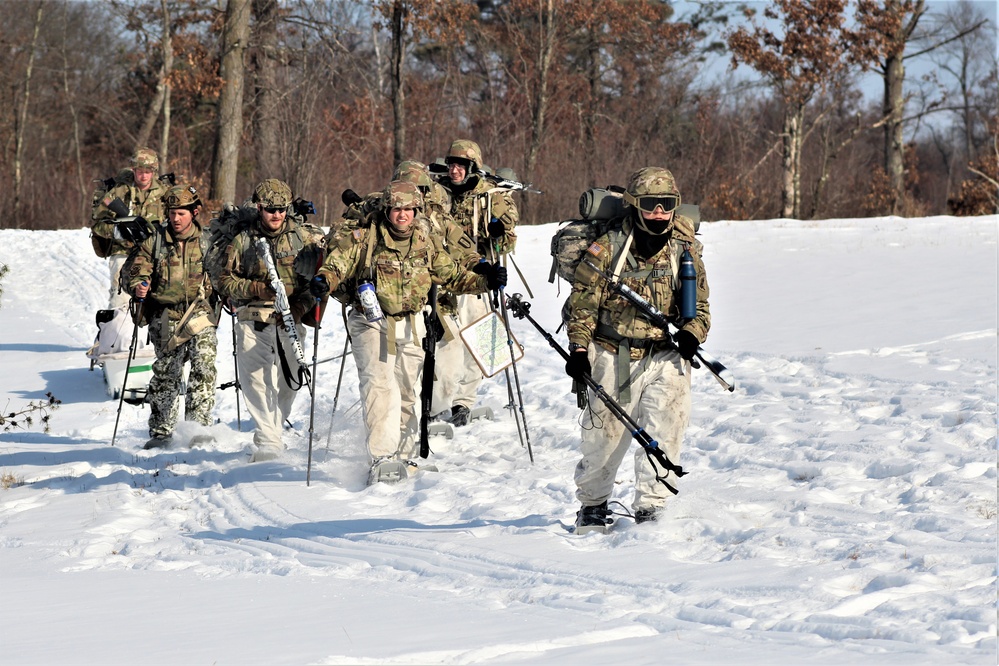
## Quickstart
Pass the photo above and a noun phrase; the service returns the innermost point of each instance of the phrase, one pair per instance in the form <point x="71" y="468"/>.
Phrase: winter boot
<point x="593" y="519"/>
<point x="647" y="514"/>
<point x="158" y="442"/>
<point x="459" y="415"/>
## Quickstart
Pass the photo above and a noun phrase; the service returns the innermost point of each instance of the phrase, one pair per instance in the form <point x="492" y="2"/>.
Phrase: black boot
<point x="593" y="519"/>
<point x="647" y="514"/>
<point x="459" y="416"/>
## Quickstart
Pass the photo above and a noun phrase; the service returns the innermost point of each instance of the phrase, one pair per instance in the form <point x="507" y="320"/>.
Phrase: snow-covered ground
<point x="840" y="506"/>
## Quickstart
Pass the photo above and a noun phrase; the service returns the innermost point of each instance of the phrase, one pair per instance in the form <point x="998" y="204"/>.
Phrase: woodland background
<point x="760" y="109"/>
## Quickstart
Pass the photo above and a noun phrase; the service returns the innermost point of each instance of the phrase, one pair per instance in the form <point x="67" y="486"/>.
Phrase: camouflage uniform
<point x="388" y="352"/>
<point x="474" y="204"/>
<point x="245" y="282"/>
<point x="631" y="358"/>
<point x="177" y="304"/>
<point x="146" y="203"/>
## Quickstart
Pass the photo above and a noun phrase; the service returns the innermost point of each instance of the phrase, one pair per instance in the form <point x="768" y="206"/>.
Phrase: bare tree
<point x="235" y="36"/>
<point x="22" y="118"/>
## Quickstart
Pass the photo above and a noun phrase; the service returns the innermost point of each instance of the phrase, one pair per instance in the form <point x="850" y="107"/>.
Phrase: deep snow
<point x="840" y="506"/>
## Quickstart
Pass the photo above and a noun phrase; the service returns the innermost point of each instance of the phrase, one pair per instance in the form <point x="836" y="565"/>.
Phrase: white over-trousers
<point x="457" y="376"/>
<point x="117" y="299"/>
<point x="660" y="403"/>
<point x="267" y="395"/>
<point x="389" y="382"/>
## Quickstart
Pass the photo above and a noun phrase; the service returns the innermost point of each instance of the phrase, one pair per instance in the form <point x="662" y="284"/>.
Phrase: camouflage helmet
<point x="401" y="194"/>
<point x="414" y="172"/>
<point x="652" y="180"/>
<point x="272" y="193"/>
<point x="146" y="158"/>
<point x="468" y="150"/>
<point x="181" y="196"/>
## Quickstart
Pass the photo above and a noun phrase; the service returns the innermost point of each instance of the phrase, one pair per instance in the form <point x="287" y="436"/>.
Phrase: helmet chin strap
<point x="652" y="227"/>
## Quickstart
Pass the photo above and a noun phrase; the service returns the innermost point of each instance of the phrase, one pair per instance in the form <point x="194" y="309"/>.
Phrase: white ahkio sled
<point x="111" y="352"/>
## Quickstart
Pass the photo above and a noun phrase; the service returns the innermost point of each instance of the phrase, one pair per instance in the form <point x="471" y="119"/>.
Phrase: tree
<point x="225" y="163"/>
<point x="800" y="62"/>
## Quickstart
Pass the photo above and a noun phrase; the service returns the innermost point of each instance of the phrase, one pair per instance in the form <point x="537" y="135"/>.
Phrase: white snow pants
<point x="268" y="397"/>
<point x="389" y="383"/>
<point x="457" y="375"/>
<point x="117" y="299"/>
<point x="660" y="403"/>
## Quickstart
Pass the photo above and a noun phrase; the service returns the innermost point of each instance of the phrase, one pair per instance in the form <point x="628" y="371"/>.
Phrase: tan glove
<point x="261" y="291"/>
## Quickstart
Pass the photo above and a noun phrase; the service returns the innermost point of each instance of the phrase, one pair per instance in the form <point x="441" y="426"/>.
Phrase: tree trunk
<point x="398" y="92"/>
<point x="894" y="105"/>
<point x="22" y="118"/>
<point x="168" y="69"/>
<point x="791" y="162"/>
<point x="225" y="162"/>
<point x="75" y="113"/>
<point x="268" y="162"/>
<point x="546" y="40"/>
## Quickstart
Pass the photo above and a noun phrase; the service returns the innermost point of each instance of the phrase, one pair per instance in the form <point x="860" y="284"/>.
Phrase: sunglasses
<point x="649" y="202"/>
<point x="275" y="209"/>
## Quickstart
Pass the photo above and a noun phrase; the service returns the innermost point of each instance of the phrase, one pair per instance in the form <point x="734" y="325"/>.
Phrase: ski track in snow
<point x="857" y="500"/>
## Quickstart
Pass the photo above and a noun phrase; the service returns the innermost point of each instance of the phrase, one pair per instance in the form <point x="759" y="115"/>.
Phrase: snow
<point x="840" y="506"/>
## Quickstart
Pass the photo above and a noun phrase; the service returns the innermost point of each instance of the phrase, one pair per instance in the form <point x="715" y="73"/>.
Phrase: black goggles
<point x="649" y="202"/>
<point x="460" y="161"/>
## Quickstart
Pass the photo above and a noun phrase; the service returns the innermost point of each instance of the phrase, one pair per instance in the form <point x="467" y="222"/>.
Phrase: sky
<point x="840" y="505"/>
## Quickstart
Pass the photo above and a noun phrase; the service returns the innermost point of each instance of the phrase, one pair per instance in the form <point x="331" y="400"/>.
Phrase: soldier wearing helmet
<point x="138" y="193"/>
<point x="394" y="254"/>
<point x="636" y="362"/>
<point x="260" y="339"/>
<point x="488" y="216"/>
<point x="166" y="274"/>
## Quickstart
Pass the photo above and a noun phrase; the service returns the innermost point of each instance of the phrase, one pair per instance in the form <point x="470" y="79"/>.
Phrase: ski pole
<point x="339" y="382"/>
<point x="521" y="310"/>
<point x="516" y="376"/>
<point x="312" y="402"/>
<point x="128" y="364"/>
<point x="235" y="367"/>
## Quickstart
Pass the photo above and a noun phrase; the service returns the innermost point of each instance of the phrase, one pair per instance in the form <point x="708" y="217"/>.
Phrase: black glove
<point x="686" y="343"/>
<point x="318" y="286"/>
<point x="578" y="365"/>
<point x="495" y="229"/>
<point x="496" y="277"/>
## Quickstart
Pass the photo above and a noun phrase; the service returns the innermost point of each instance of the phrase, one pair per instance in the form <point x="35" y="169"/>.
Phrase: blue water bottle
<point x="688" y="286"/>
<point x="369" y="301"/>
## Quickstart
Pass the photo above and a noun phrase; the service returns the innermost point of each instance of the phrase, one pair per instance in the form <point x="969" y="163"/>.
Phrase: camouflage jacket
<point x="598" y="314"/>
<point x="147" y="203"/>
<point x="244" y="266"/>
<point x="475" y="208"/>
<point x="401" y="270"/>
<point x="173" y="268"/>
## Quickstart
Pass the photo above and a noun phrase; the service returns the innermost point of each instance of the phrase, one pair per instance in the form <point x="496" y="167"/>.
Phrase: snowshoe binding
<point x="593" y="519"/>
<point x="387" y="470"/>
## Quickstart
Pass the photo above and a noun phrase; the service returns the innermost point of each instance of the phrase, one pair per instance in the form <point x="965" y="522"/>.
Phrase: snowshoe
<point x="481" y="413"/>
<point x="440" y="430"/>
<point x="387" y="470"/>
<point x="593" y="519"/>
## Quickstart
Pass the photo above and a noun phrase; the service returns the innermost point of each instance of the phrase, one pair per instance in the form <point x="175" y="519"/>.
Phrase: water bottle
<point x="369" y="301"/>
<point x="688" y="286"/>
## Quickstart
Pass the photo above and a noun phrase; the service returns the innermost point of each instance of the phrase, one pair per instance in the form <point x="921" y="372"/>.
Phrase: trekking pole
<point x="495" y="296"/>
<point x="516" y="377"/>
<point x="235" y="367"/>
<point x="339" y="379"/>
<point x="312" y="387"/>
<point x="128" y="364"/>
<point x="521" y="310"/>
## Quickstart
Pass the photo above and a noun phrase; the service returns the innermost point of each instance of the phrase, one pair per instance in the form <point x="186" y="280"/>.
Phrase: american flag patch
<point x="595" y="249"/>
<point x="107" y="201"/>
<point x="357" y="233"/>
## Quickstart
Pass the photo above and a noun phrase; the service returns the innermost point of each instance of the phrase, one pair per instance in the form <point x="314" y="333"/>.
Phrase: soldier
<point x="142" y="194"/>
<point x="167" y="275"/>
<point x="245" y="281"/>
<point x="396" y="257"/>
<point x="488" y="215"/>
<point x="633" y="360"/>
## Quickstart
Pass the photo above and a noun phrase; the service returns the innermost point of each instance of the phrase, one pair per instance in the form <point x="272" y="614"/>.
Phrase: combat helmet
<point x="146" y="158"/>
<point x="272" y="193"/>
<point x="414" y="172"/>
<point x="648" y="189"/>
<point x="181" y="196"/>
<point x="401" y="194"/>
